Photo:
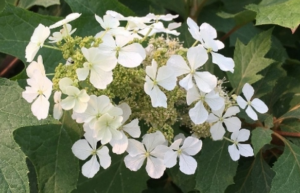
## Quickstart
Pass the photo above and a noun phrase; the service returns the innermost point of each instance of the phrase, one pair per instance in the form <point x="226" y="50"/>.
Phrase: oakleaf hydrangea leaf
<point x="249" y="60"/>
<point x="29" y="3"/>
<point x="260" y="137"/>
<point x="284" y="13"/>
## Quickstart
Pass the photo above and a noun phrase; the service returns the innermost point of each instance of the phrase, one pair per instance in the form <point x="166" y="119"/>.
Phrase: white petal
<point x="119" y="146"/>
<point x="241" y="102"/>
<point x="177" y="142"/>
<point x="231" y="111"/>
<point x="192" y="95"/>
<point x="225" y="63"/>
<point x="133" y="128"/>
<point x="187" y="164"/>
<point x="158" y="98"/>
<point x="159" y="151"/>
<point x="245" y="150"/>
<point x="104" y="157"/>
<point x="151" y="71"/>
<point x="99" y="78"/>
<point x="248" y="91"/>
<point x="191" y="146"/>
<point x="166" y="78"/>
<point x="243" y="135"/>
<point x="178" y="64"/>
<point x="259" y="105"/>
<point x="29" y="94"/>
<point x="198" y="113"/>
<point x="126" y="111"/>
<point x="57" y="111"/>
<point x="36" y="66"/>
<point x="187" y="82"/>
<point x="194" y="29"/>
<point x="91" y="167"/>
<point x="209" y="30"/>
<point x="79" y="106"/>
<point x="135" y="147"/>
<point x="40" y="107"/>
<point x="68" y="103"/>
<point x="251" y="113"/>
<point x="82" y="73"/>
<point x="212" y="118"/>
<point x="197" y="56"/>
<point x="81" y="149"/>
<point x="233" y="152"/>
<point x="134" y="163"/>
<point x="217" y="131"/>
<point x="155" y="167"/>
<point x="205" y="81"/>
<point x="89" y="136"/>
<point x="64" y="83"/>
<point x="233" y="124"/>
<point x="132" y="55"/>
<point x="153" y="139"/>
<point x="31" y="51"/>
<point x="214" y="101"/>
<point x="170" y="159"/>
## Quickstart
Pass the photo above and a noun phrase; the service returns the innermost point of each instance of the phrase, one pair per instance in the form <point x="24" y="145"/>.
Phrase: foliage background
<point x="261" y="36"/>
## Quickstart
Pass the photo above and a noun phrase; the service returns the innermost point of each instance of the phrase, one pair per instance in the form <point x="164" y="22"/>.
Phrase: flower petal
<point x="104" y="157"/>
<point x="132" y="55"/>
<point x="217" y="131"/>
<point x="233" y="152"/>
<point x="153" y="139"/>
<point x="191" y="146"/>
<point x="81" y="149"/>
<point x="198" y="113"/>
<point x="233" y="124"/>
<point x="155" y="167"/>
<point x="170" y="159"/>
<point x="178" y="64"/>
<point x="197" y="56"/>
<point x="245" y="150"/>
<point x="100" y="78"/>
<point x="231" y="111"/>
<point x="192" y="95"/>
<point x="134" y="163"/>
<point x="225" y="63"/>
<point x="243" y="135"/>
<point x="91" y="167"/>
<point x="166" y="78"/>
<point x="248" y="91"/>
<point x="133" y="128"/>
<point x="241" y="102"/>
<point x="40" y="107"/>
<point x="135" y="147"/>
<point x="187" y="164"/>
<point x="119" y="146"/>
<point x="205" y="81"/>
<point x="251" y="113"/>
<point x="259" y="105"/>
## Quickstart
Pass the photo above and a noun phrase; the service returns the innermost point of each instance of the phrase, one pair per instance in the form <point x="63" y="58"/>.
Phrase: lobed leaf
<point x="29" y="3"/>
<point x="260" y="137"/>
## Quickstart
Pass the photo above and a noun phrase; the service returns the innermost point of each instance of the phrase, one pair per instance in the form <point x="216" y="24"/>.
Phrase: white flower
<point x="40" y="34"/>
<point x="136" y="22"/>
<point x="206" y="34"/>
<point x="197" y="57"/>
<point x="83" y="148"/>
<point x="154" y="154"/>
<point x="237" y="149"/>
<point x="64" y="32"/>
<point x="68" y="19"/>
<point x="132" y="129"/>
<point x="198" y="113"/>
<point x="127" y="55"/>
<point x="159" y="28"/>
<point x="36" y="66"/>
<point x="111" y="25"/>
<point x="76" y="100"/>
<point x="232" y="124"/>
<point x="114" y="14"/>
<point x="187" y="164"/>
<point x="57" y="109"/>
<point x="106" y="128"/>
<point x="256" y="103"/>
<point x="39" y="91"/>
<point x="167" y="17"/>
<point x="100" y="65"/>
<point x="97" y="106"/>
<point x="164" y="77"/>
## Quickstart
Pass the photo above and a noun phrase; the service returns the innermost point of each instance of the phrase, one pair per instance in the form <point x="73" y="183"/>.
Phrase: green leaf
<point x="292" y="113"/>
<point x="287" y="169"/>
<point x="116" y="178"/>
<point x="255" y="176"/>
<point x="249" y="60"/>
<point x="235" y="6"/>
<point x="98" y="7"/>
<point x="178" y="6"/>
<point x="240" y="18"/>
<point x="215" y="169"/>
<point x="17" y="26"/>
<point x="14" y="113"/>
<point x="244" y="34"/>
<point x="49" y="149"/>
<point x="185" y="182"/>
<point x="280" y="12"/>
<point x="260" y="137"/>
<point x="29" y="3"/>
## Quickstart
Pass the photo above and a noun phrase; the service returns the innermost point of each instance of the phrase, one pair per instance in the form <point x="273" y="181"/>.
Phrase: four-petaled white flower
<point x="197" y="57"/>
<point x="232" y="124"/>
<point x="129" y="56"/>
<point x="154" y="153"/>
<point x="76" y="100"/>
<point x="132" y="129"/>
<point x="206" y="34"/>
<point x="83" y="148"/>
<point x="256" y="103"/>
<point x="40" y="34"/>
<point x="163" y="77"/>
<point x="68" y="19"/>
<point x="39" y="91"/>
<point x="100" y="65"/>
<point x="57" y="109"/>
<point x="64" y="32"/>
<point x="190" y="146"/>
<point x="237" y="149"/>
<point x="199" y="113"/>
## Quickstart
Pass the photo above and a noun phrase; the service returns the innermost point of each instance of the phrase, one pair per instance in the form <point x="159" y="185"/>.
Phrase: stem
<point x="195" y="43"/>
<point x="147" y="33"/>
<point x="50" y="74"/>
<point x="51" y="47"/>
<point x="288" y="134"/>
<point x="103" y="34"/>
<point x="228" y="139"/>
<point x="231" y="32"/>
<point x="195" y="12"/>
<point x="231" y="92"/>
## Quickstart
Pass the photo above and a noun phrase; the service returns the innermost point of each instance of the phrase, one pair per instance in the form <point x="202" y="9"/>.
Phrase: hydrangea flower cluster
<point x="111" y="84"/>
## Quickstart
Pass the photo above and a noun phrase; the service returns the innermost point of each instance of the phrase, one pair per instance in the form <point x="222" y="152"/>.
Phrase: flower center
<point x="155" y="82"/>
<point x="40" y="92"/>
<point x="147" y="154"/>
<point x="193" y="72"/>
<point x="209" y="50"/>
<point x="94" y="152"/>
<point x="179" y="151"/>
<point x="221" y="119"/>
